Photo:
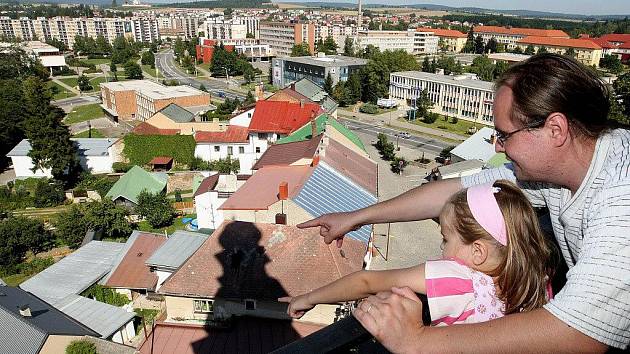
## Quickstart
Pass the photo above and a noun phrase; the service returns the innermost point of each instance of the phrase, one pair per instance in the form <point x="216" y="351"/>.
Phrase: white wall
<point x="162" y="276"/>
<point x="207" y="209"/>
<point x="97" y="164"/>
<point x="243" y="119"/>
<point x="23" y="165"/>
<point x="207" y="152"/>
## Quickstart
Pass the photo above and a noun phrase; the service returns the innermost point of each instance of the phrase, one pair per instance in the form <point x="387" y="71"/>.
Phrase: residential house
<point x="448" y="40"/>
<point x="233" y="142"/>
<point x="31" y="326"/>
<point x="243" y="268"/>
<point x="186" y="121"/>
<point x="586" y="51"/>
<point x="126" y="190"/>
<point x="243" y="119"/>
<point x="305" y="90"/>
<point x="172" y="253"/>
<point x="264" y="336"/>
<point x="129" y="275"/>
<point x="210" y="195"/>
<point x="62" y="284"/>
<point x="95" y="155"/>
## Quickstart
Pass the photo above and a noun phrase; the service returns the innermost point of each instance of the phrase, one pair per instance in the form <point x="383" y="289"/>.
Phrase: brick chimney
<point x="315" y="161"/>
<point x="313" y="127"/>
<point x="493" y="138"/>
<point x="293" y="86"/>
<point x="283" y="191"/>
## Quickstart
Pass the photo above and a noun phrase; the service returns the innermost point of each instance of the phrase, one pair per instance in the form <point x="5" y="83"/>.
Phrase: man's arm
<point x="423" y="202"/>
<point x="392" y="320"/>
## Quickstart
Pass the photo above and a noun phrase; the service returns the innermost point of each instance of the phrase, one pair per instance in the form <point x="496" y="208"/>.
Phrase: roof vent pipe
<point x="25" y="311"/>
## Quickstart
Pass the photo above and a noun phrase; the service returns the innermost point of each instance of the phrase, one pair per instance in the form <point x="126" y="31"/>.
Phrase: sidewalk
<point x="391" y="118"/>
<point x="66" y="86"/>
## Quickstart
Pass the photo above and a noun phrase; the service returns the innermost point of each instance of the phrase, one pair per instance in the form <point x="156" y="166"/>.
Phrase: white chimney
<point x="25" y="311"/>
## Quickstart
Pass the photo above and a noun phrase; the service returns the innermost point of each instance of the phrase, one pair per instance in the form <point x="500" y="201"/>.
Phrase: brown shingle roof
<point x="233" y="134"/>
<point x="560" y="42"/>
<point x="207" y="184"/>
<point x="286" y="154"/>
<point x="247" y="335"/>
<point x="358" y="168"/>
<point x="243" y="260"/>
<point x="131" y="272"/>
<point x="161" y="160"/>
<point x="261" y="189"/>
<point x="145" y="128"/>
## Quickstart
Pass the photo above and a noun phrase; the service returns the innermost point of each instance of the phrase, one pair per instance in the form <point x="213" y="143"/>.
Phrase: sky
<point x="580" y="7"/>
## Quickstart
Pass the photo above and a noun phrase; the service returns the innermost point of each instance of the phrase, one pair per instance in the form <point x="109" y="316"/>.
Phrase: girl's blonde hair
<point x="524" y="268"/>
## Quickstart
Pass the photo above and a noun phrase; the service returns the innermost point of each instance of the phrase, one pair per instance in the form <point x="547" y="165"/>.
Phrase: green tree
<point x="348" y="47"/>
<point x="621" y="93"/>
<point x="203" y="88"/>
<point x="328" y="84"/>
<point x="492" y="45"/>
<point x="570" y="52"/>
<point x="483" y="67"/>
<point x="148" y="58"/>
<point x="398" y="164"/>
<point x="542" y="50"/>
<point x="330" y="46"/>
<point x="479" y="45"/>
<point x="18" y="235"/>
<point x="517" y="50"/>
<point x="84" y="83"/>
<point x="105" y="215"/>
<point x="155" y="208"/>
<point x="300" y="50"/>
<point x="71" y="226"/>
<point x="469" y="47"/>
<point x="500" y="67"/>
<point x="423" y="104"/>
<point x="51" y="146"/>
<point x="48" y="193"/>
<point x="133" y="70"/>
<point x="616" y="112"/>
<point x="112" y="67"/>
<point x="353" y="86"/>
<point x="426" y="65"/>
<point x="82" y="346"/>
<point x="340" y="94"/>
<point x="102" y="45"/>
<point x="530" y="50"/>
<point x="612" y="64"/>
<point x="227" y="165"/>
<point x="249" y="99"/>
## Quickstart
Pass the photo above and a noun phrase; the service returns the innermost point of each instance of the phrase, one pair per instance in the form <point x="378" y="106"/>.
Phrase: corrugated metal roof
<point x="74" y="273"/>
<point x="44" y="316"/>
<point x="176" y="113"/>
<point x="18" y="336"/>
<point x="177" y="249"/>
<point x="85" y="147"/>
<point x="327" y="191"/>
<point x="477" y="147"/>
<point x="102" y="318"/>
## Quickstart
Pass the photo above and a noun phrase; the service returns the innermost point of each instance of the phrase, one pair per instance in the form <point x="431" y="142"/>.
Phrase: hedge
<point x="141" y="149"/>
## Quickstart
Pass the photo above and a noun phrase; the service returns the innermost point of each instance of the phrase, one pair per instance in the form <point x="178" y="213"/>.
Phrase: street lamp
<point x="227" y="76"/>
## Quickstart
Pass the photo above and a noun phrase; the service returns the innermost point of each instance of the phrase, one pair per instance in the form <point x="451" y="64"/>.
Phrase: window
<point x="230" y="150"/>
<point x="258" y="149"/>
<point x="250" y="304"/>
<point x="217" y="148"/>
<point x="203" y="306"/>
<point x="241" y="149"/>
<point x="262" y="136"/>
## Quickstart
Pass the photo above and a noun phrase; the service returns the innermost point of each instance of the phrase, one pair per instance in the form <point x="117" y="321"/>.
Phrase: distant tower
<point x="360" y="17"/>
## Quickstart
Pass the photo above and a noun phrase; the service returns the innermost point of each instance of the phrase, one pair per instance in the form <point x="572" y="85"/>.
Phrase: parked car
<point x="403" y="135"/>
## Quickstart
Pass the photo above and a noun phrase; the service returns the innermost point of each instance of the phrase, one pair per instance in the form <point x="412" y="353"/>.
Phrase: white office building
<point x="425" y="42"/>
<point x="461" y="96"/>
<point x="387" y="40"/>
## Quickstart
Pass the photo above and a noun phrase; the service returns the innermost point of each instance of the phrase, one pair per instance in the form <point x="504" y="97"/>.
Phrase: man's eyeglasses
<point x="503" y="137"/>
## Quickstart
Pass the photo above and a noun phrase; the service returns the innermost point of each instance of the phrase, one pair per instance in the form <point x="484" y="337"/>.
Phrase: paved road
<point x="414" y="142"/>
<point x="68" y="103"/>
<point x="166" y="64"/>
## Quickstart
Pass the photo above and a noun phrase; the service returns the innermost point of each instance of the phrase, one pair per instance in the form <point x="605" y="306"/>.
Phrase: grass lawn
<point x="84" y="113"/>
<point x="16" y="279"/>
<point x="177" y="225"/>
<point x="95" y="134"/>
<point x="460" y="128"/>
<point x="94" y="81"/>
<point x="59" y="92"/>
<point x="97" y="61"/>
<point x="147" y="69"/>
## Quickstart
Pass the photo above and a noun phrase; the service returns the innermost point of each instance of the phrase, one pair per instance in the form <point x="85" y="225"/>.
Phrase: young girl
<point x="495" y="262"/>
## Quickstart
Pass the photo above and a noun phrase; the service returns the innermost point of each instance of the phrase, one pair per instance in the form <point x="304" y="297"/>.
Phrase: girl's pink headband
<point x="485" y="209"/>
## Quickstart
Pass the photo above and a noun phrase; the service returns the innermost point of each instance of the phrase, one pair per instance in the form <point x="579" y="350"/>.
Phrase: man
<point x="550" y="116"/>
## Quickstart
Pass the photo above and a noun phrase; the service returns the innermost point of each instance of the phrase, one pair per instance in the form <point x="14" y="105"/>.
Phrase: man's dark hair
<point x="548" y="83"/>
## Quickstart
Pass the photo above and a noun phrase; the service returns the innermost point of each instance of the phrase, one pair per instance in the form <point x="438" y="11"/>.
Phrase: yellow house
<point x="587" y="52"/>
<point x="454" y="41"/>
<point x="174" y="117"/>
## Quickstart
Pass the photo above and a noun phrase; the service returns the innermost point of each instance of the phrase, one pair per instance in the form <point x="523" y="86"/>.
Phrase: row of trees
<point x="226" y="62"/>
<point x="388" y="153"/>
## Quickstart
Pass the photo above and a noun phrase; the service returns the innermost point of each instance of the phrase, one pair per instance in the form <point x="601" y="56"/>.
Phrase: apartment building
<point x="282" y="36"/>
<point x="287" y="70"/>
<point x="145" y="29"/>
<point x="387" y="40"/>
<point x="252" y="24"/>
<point x="183" y="26"/>
<point x="425" y="42"/>
<point x="586" y="51"/>
<point x="218" y="28"/>
<point x="454" y="96"/>
<point x="509" y="36"/>
<point x="338" y="32"/>
<point x="449" y="40"/>
<point x="141" y="99"/>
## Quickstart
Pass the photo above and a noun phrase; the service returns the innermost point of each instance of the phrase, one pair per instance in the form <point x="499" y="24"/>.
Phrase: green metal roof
<point x="196" y="182"/>
<point x="177" y="114"/>
<point x="135" y="181"/>
<point x="304" y="133"/>
<point x="498" y="160"/>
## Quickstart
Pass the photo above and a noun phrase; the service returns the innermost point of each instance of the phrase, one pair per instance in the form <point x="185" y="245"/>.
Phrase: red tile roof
<point x="286" y="154"/>
<point x="282" y="117"/>
<point x="131" y="272"/>
<point x="560" y="42"/>
<point x="616" y="37"/>
<point x="442" y="32"/>
<point x="145" y="128"/>
<point x="243" y="260"/>
<point x="233" y="134"/>
<point x="521" y="31"/>
<point x="358" y="168"/>
<point x="207" y="184"/>
<point x="161" y="160"/>
<point x="261" y="336"/>
<point x="602" y="42"/>
<point x="261" y="189"/>
<point x="624" y="46"/>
